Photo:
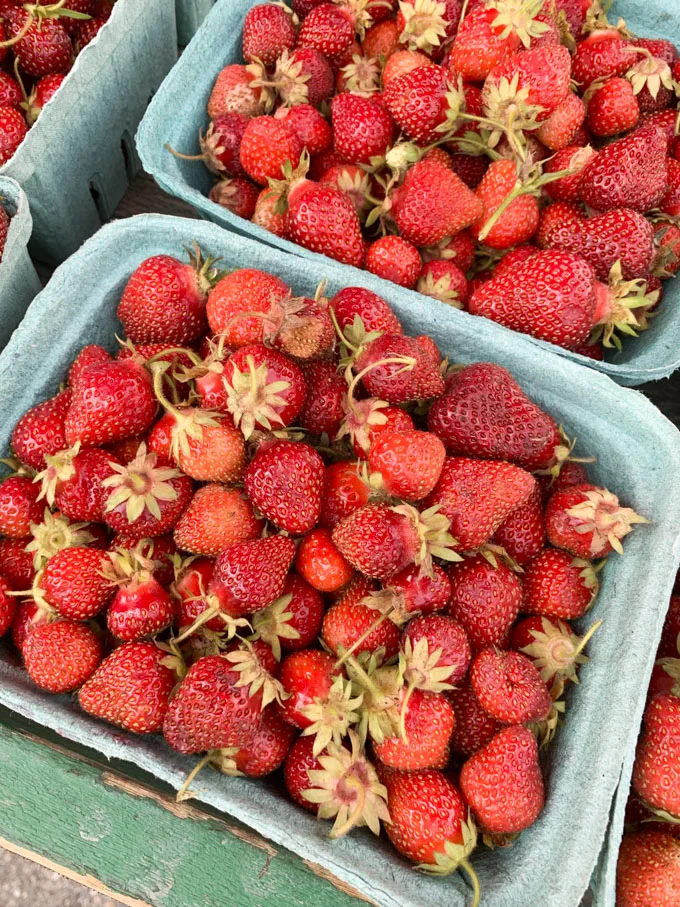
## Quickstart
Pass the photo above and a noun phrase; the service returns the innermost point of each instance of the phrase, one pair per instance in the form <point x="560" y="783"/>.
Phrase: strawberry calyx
<point x="332" y="716"/>
<point x="455" y="856"/>
<point x="518" y="17"/>
<point x="59" y="468"/>
<point x="254" y="675"/>
<point x="140" y="485"/>
<point x="420" y="670"/>
<point x="557" y="651"/>
<point x="424" y="25"/>
<point x="493" y="553"/>
<point x="602" y="515"/>
<point x="45" y="611"/>
<point x="253" y="399"/>
<point x="293" y="178"/>
<point x="545" y="730"/>
<point x="672" y="667"/>
<point x="362" y="76"/>
<point x="651" y="73"/>
<point x="353" y="340"/>
<point x="55" y="533"/>
<point x="360" y="417"/>
<point x="347" y="788"/>
<point x="358" y="13"/>
<point x="272" y="624"/>
<point x="189" y="421"/>
<point x="381" y="688"/>
<point x="431" y="536"/>
<point x="508" y="106"/>
<point x="439" y="288"/>
<point x="173" y="658"/>
<point x="618" y="308"/>
<point x="288" y="82"/>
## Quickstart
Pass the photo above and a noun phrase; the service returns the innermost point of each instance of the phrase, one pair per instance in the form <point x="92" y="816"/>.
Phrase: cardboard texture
<point x="638" y="454"/>
<point x="218" y="43"/>
<point x="190" y="14"/>
<point x="19" y="281"/>
<point x="76" y="162"/>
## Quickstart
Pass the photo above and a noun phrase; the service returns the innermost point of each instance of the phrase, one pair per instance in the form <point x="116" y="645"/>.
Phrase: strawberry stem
<point x="356" y="814"/>
<point x="584" y="641"/>
<point x="184" y="793"/>
<point x="472" y="875"/>
<point x="364" y="636"/>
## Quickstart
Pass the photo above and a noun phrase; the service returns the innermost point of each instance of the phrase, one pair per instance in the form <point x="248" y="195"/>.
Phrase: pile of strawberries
<point x="649" y="859"/>
<point x="283" y="533"/>
<point x="38" y="45"/>
<point x="515" y="159"/>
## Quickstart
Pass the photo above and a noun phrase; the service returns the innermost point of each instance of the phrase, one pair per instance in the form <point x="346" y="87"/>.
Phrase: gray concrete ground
<point x="25" y="884"/>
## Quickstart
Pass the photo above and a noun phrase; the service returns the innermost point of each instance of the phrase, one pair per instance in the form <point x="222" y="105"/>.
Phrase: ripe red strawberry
<point x="10" y="91"/>
<point x="560" y="128"/>
<point x="628" y="173"/>
<point x="473" y="727"/>
<point x="88" y="30"/>
<point x="302" y="77"/>
<point x="221" y="144"/>
<point x="43" y="92"/>
<point x="19" y="506"/>
<point x="97" y="414"/>
<point x="442" y="279"/>
<point x="89" y="355"/>
<point x="266" y="145"/>
<point x="430" y="822"/>
<point x="234" y="92"/>
<point x="346" y="622"/>
<point x="656" y="775"/>
<point x="322" y="218"/>
<point x="27" y="618"/>
<point x="268" y="30"/>
<point x="323" y="411"/>
<point x="264" y="753"/>
<point x="60" y="656"/>
<point x="8" y="606"/>
<point x="164" y="300"/>
<point x="215" y="518"/>
<point x="409" y="463"/>
<point x="553" y="646"/>
<point x="612" y="108"/>
<point x="40" y="430"/>
<point x="402" y="61"/>
<point x="352" y="180"/>
<point x="239" y="575"/>
<point x="588" y="521"/>
<point x="210" y="710"/>
<point x="285" y="482"/>
<point x="618" y="235"/>
<point x="602" y="54"/>
<point x="130" y="688"/>
<point x="542" y="72"/>
<point x="344" y="491"/>
<point x="328" y="29"/>
<point x="44" y="48"/>
<point x="72" y="480"/>
<point x="412" y="591"/>
<point x="509" y="687"/>
<point x="13" y="128"/>
<point x="417" y="101"/>
<point x="459" y="249"/>
<point x="294" y="621"/>
<point x="478" y="495"/>
<point x="73" y="584"/>
<point x="140" y="608"/>
<point x="670" y="203"/>
<point x="387" y="379"/>
<point x="549" y="296"/>
<point x="648" y="869"/>
<point x="207" y="447"/>
<point x="485" y="413"/>
<point x="366" y="420"/>
<point x="502" y="782"/>
<point x="558" y="585"/>
<point x="362" y="127"/>
<point x="299" y="761"/>
<point x="395" y="259"/>
<point x="16" y="564"/>
<point x="313" y="130"/>
<point x="485" y="600"/>
<point x="305" y="676"/>
<point x="321" y="562"/>
<point x="518" y="222"/>
<point x="522" y="534"/>
<point x="428" y="723"/>
<point x="440" y="634"/>
<point x="245" y="290"/>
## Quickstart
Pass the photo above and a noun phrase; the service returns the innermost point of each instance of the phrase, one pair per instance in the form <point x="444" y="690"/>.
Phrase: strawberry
<point x="263" y="754"/>
<point x="417" y="101"/>
<point x="305" y="676"/>
<point x="301" y="77"/>
<point x="518" y="221"/>
<point x="362" y="127"/>
<point x="267" y="215"/>
<point x="88" y="30"/>
<point x="16" y="563"/>
<point x="7" y="606"/>
<point x="478" y="495"/>
<point x="299" y="761"/>
<point x="238" y="573"/>
<point x="433" y="203"/>
<point x="40" y="430"/>
<point x="395" y="259"/>
<point x="312" y="129"/>
<point x="323" y="411"/>
<point x="553" y="646"/>
<point x="459" y="249"/>
<point x="327" y="29"/>
<point x="559" y="129"/>
<point x="285" y="483"/>
<point x="267" y="144"/>
<point x="509" y="687"/>
<point x="559" y="585"/>
<point x="43" y="48"/>
<point x="211" y="710"/>
<point x="72" y="480"/>
<point x="430" y="822"/>
<point x="602" y="54"/>
<point x="27" y="618"/>
<point x="470" y="169"/>
<point x="160" y="551"/>
<point x="652" y="82"/>
<point x="353" y="181"/>
<point x="660" y="48"/>
<point x="221" y="144"/>
<point x="382" y="38"/>
<point x="648" y="869"/>
<point x="588" y="521"/>
<point x="436" y="650"/>
<point x="550" y="296"/>
<point x="538" y="77"/>
<point x="13" y="128"/>
<point x="617" y="235"/>
<point x="409" y="463"/>
<point x="612" y="107"/>
<point x="322" y="218"/>
<point x="426" y="26"/>
<point x="215" y="518"/>
<point x="141" y="607"/>
<point x="502" y="782"/>
<point x="656" y="778"/>
<point x="89" y="355"/>
<point x="238" y="294"/>
<point x="97" y="415"/>
<point x="670" y="203"/>
<point x="344" y="492"/>
<point x="428" y="723"/>
<point x="354" y="625"/>
<point x="628" y="173"/>
<point x="668" y="647"/>
<point x="293" y="621"/>
<point x="206" y="446"/>
<point x="19" y="506"/>
<point x="367" y="419"/>
<point x="10" y="91"/>
<point x="236" y="195"/>
<point x="382" y="363"/>
<point x="321" y="562"/>
<point x="485" y="413"/>
<point x="473" y="727"/>
<point x="234" y="92"/>
<point x="485" y="600"/>
<point x="442" y="279"/>
<point x="301" y="328"/>
<point x="130" y="688"/>
<point x="42" y="93"/>
<point x="522" y="533"/>
<point x="268" y="30"/>
<point x="412" y="591"/>
<point x="73" y="584"/>
<point x="401" y="62"/>
<point x="60" y="656"/>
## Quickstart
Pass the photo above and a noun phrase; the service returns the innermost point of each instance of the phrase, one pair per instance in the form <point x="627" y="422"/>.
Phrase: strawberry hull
<point x="639" y="457"/>
<point x="652" y="356"/>
<point x="19" y="281"/>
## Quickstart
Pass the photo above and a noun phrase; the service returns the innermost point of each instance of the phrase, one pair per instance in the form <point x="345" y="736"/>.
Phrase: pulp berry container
<point x="19" y="281"/>
<point x="638" y="454"/>
<point x="76" y="162"/>
<point x="190" y="14"/>
<point x="654" y="355"/>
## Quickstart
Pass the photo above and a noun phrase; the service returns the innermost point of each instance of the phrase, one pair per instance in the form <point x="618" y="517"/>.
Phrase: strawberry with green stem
<point x="140" y="607"/>
<point x="553" y="646"/>
<point x="55" y="533"/>
<point x="294" y="620"/>
<point x="321" y="563"/>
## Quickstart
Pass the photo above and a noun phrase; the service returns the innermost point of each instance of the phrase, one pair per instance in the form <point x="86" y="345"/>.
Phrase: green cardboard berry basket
<point x="654" y="355"/>
<point x="76" y="162"/>
<point x="19" y="281"/>
<point x="190" y="14"/>
<point x="638" y="456"/>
